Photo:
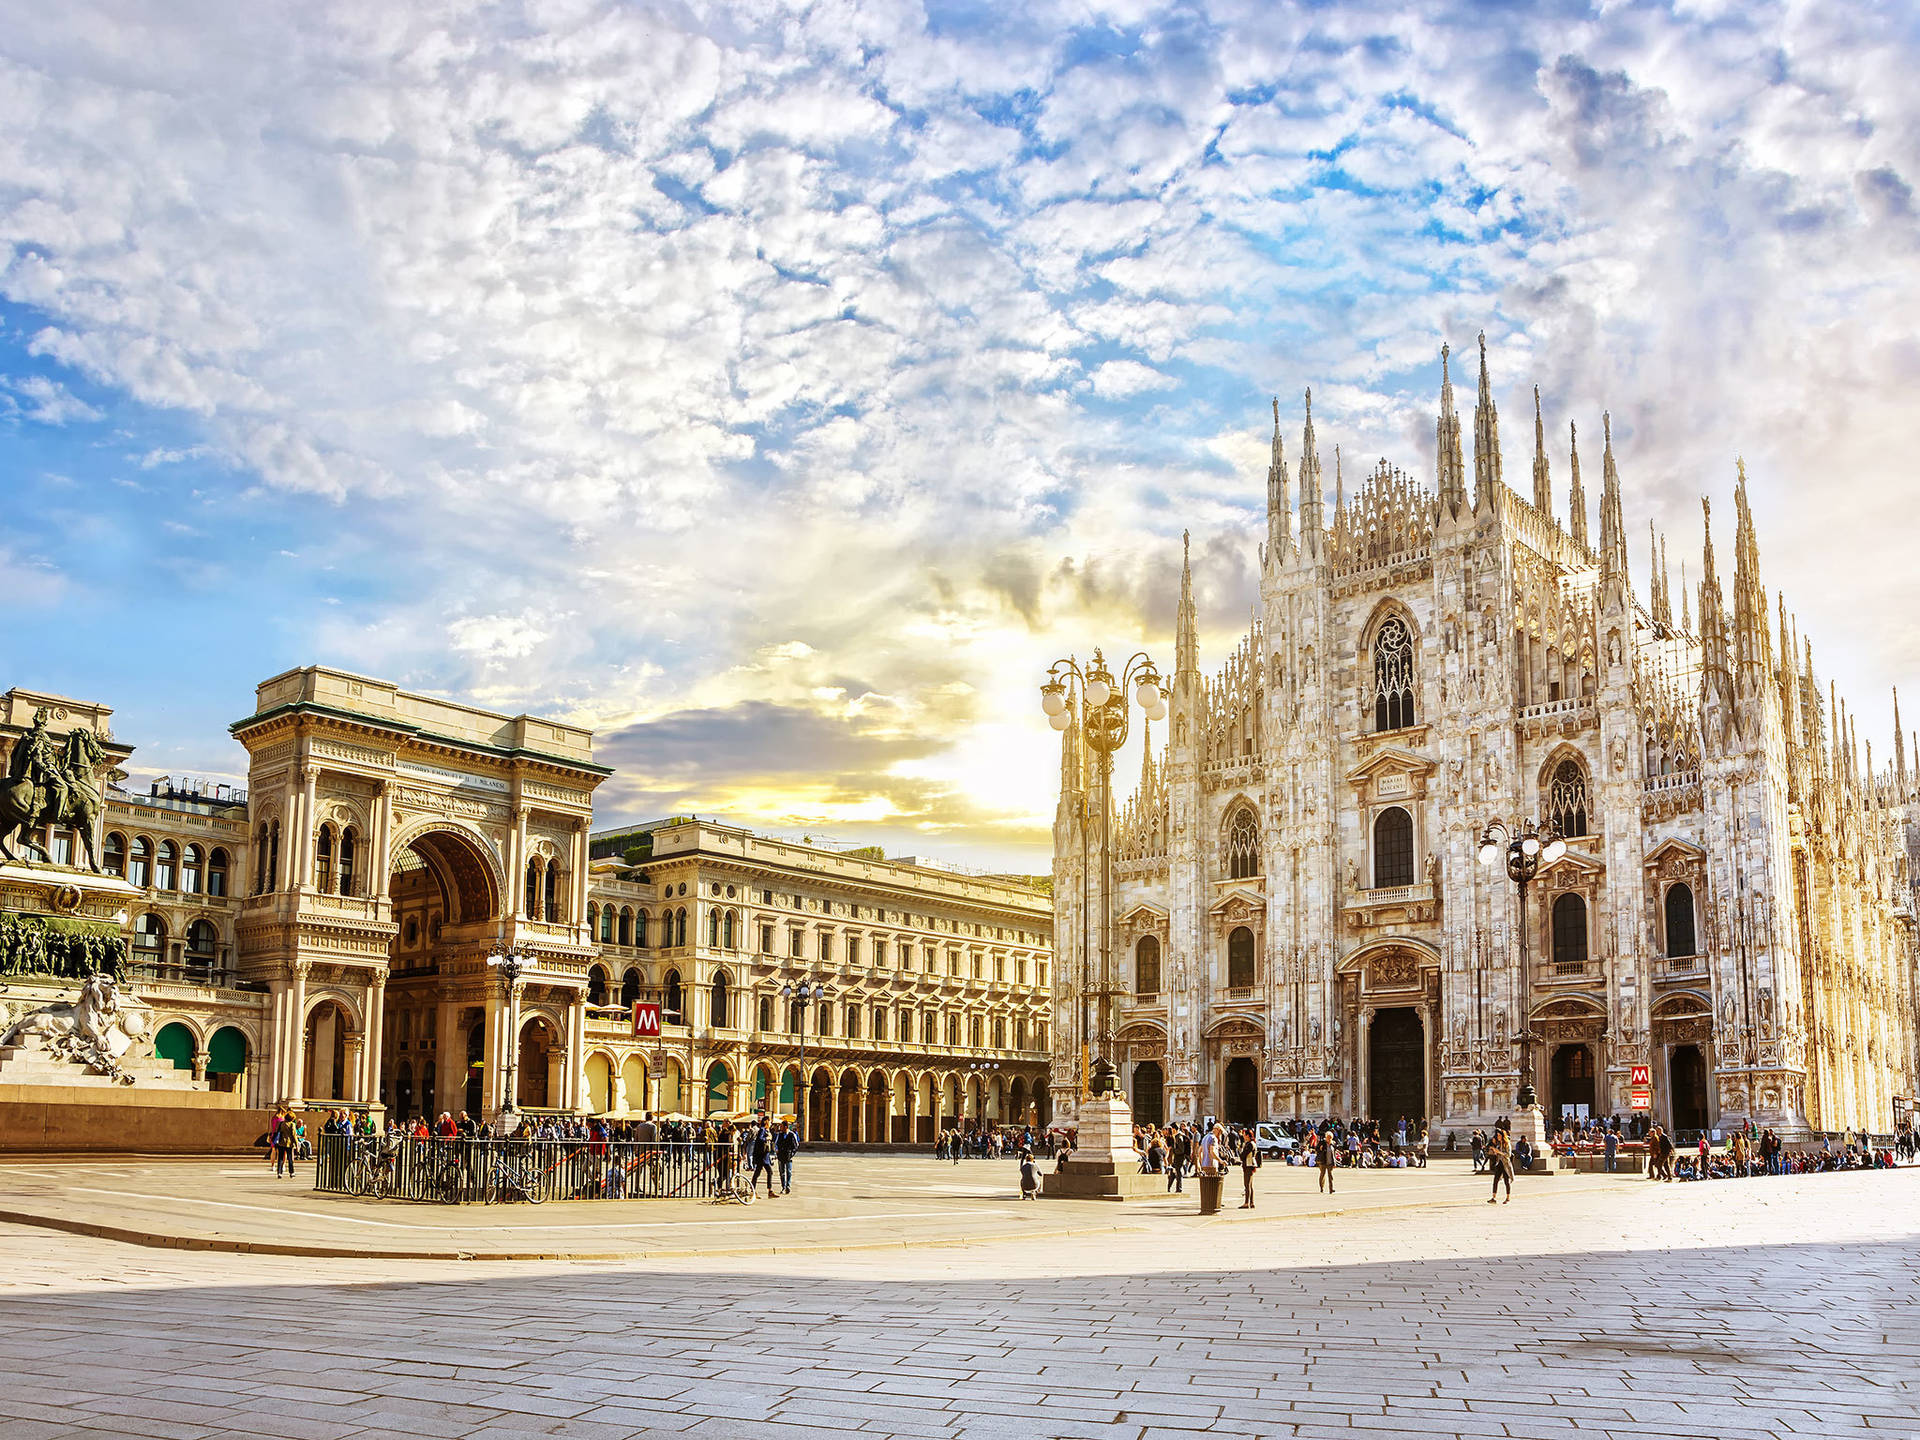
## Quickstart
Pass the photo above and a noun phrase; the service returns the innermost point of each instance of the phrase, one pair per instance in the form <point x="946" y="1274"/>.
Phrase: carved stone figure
<point x="1313" y="1030"/>
<point x="1353" y="876"/>
<point x="95" y="1030"/>
<point x="1433" y="870"/>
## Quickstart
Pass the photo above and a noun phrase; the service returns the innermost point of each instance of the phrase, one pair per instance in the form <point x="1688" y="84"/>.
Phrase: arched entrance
<point x="1396" y="1066"/>
<point x="820" y="1106"/>
<point x="1687" y="1088"/>
<point x="476" y="1058"/>
<point x="327" y="1027"/>
<point x="1572" y="1083"/>
<point x="403" y="1090"/>
<point x="1149" y="1093"/>
<point x="1240" y="1095"/>
<point x="719" y="1089"/>
<point x="530" y="1080"/>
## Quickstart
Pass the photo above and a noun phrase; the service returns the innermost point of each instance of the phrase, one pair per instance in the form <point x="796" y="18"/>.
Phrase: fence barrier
<point x="455" y="1171"/>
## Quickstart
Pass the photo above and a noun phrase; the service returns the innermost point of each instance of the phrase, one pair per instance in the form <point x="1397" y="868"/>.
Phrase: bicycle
<point x="735" y="1187"/>
<point x="370" y="1171"/>
<point x="516" y="1174"/>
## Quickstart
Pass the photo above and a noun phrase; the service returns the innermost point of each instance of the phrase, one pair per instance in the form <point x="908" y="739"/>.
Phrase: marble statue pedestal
<point x="1104" y="1165"/>
<point x="1530" y="1124"/>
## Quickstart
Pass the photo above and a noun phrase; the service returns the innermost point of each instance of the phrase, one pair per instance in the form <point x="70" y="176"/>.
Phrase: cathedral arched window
<point x="1569" y="931"/>
<point x="1240" y="958"/>
<point x="1393" y="675"/>
<point x="1567" y="799"/>
<point x="1392" y="848"/>
<point x="1243" y="845"/>
<point x="1680" y="935"/>
<point x="1146" y="967"/>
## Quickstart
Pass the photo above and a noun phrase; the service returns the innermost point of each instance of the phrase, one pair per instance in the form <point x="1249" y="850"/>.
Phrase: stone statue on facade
<point x="94" y="1030"/>
<point x="52" y="784"/>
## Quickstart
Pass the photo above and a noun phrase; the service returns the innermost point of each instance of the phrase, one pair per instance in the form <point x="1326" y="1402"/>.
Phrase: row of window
<point x="1566" y="811"/>
<point x="852" y="1016"/>
<point x="191" y="870"/>
<point x="1569" y="927"/>
<point x="853" y="910"/>
<point x="726" y="931"/>
<point x="202" y="941"/>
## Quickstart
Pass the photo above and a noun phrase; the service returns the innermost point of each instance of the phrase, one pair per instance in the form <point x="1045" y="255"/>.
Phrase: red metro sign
<point x="646" y="1019"/>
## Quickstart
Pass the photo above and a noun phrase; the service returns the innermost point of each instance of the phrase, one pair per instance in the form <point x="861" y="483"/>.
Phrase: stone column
<point x="577" y="875"/>
<point x="573" y="1091"/>
<point x="377" y="1038"/>
<point x="303" y="842"/>
<point x="380" y="882"/>
<point x="297" y="1025"/>
<point x="1363" y="1055"/>
<point x="450" y="1058"/>
<point x="517" y="861"/>
<point x="354" y="1057"/>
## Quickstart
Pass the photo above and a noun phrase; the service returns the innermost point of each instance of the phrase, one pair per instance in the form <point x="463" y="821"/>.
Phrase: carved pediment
<point x="1240" y="906"/>
<point x="1236" y="1027"/>
<point x="1673" y="850"/>
<point x="1144" y="918"/>
<point x="1576" y="867"/>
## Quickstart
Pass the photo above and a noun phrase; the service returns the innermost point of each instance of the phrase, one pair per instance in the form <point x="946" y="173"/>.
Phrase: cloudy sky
<point x="777" y="388"/>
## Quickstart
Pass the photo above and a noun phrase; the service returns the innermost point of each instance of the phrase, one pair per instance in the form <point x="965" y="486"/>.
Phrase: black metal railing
<point x="458" y="1171"/>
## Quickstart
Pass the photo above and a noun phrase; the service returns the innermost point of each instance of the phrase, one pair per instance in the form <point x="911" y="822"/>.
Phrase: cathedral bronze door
<point x="1149" y="1090"/>
<point x="1688" y="1075"/>
<point x="1396" y="1067"/>
<point x="1240" y="1105"/>
<point x="1572" y="1082"/>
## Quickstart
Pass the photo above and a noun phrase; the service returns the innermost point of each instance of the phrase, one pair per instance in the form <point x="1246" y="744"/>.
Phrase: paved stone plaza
<point x="1767" y="1307"/>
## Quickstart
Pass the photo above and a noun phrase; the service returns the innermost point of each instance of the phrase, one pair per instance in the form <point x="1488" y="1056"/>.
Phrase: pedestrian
<point x="1479" y="1151"/>
<point x="1323" y="1153"/>
<point x="285" y="1139"/>
<point x="1249" y="1162"/>
<point x="784" y="1144"/>
<point x="1499" y="1161"/>
<point x="1613" y="1151"/>
<point x="762" y="1153"/>
<point x="1029" y="1177"/>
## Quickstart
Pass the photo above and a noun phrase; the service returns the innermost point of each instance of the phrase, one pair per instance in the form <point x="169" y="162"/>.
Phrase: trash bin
<point x="1210" y="1194"/>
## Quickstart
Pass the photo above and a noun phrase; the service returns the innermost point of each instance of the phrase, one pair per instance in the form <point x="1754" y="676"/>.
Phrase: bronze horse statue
<point x="28" y="801"/>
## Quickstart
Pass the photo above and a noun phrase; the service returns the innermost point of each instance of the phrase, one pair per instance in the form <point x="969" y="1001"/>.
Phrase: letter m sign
<point x="646" y="1019"/>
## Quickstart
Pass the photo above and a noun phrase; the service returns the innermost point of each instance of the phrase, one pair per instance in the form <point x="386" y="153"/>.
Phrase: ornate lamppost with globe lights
<point x="1105" y="721"/>
<point x="1529" y="848"/>
<point x="797" y="996"/>
<point x="511" y="963"/>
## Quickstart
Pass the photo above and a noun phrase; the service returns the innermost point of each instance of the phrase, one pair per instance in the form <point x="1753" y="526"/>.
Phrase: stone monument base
<point x="1104" y="1165"/>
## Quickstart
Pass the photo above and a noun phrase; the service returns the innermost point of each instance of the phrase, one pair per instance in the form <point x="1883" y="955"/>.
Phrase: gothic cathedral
<point x="1299" y="924"/>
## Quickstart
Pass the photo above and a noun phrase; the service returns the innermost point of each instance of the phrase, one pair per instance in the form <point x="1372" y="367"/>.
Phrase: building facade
<point x="937" y="982"/>
<point x="333" y="933"/>
<point x="1300" y="927"/>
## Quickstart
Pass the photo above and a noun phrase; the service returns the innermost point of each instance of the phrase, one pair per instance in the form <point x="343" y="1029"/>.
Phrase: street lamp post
<point x="984" y="1069"/>
<point x="805" y="991"/>
<point x="511" y="963"/>
<point x="1106" y="721"/>
<point x="1529" y="848"/>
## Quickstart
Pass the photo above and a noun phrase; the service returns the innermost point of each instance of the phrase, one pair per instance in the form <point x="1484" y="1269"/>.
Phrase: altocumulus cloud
<point x="719" y="366"/>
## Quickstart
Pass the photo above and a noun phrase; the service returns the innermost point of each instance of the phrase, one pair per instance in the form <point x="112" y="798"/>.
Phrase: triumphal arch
<point x="400" y="844"/>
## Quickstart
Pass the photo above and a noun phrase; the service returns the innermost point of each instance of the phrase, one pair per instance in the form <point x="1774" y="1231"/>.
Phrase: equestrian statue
<point x="49" y="783"/>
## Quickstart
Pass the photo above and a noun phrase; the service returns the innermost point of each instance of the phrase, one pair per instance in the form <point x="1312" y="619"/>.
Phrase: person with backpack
<point x="1029" y="1177"/>
<point x="784" y="1146"/>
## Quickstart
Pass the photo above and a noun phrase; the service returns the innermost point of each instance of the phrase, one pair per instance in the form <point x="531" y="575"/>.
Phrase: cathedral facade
<point x="1299" y="923"/>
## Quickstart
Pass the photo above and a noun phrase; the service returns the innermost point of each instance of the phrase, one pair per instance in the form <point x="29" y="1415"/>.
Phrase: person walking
<point x="1500" y="1162"/>
<point x="1249" y="1162"/>
<point x="1323" y="1153"/>
<point x="784" y="1144"/>
<point x="286" y="1139"/>
<point x="762" y="1156"/>
<point x="1612" y="1143"/>
<point x="1178" y="1151"/>
<point x="1479" y="1151"/>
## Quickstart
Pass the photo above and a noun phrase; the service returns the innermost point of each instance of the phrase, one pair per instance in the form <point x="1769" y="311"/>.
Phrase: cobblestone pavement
<point x="1734" y="1309"/>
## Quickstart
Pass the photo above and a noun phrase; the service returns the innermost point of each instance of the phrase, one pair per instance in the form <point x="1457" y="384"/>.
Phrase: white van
<point x="1272" y="1142"/>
